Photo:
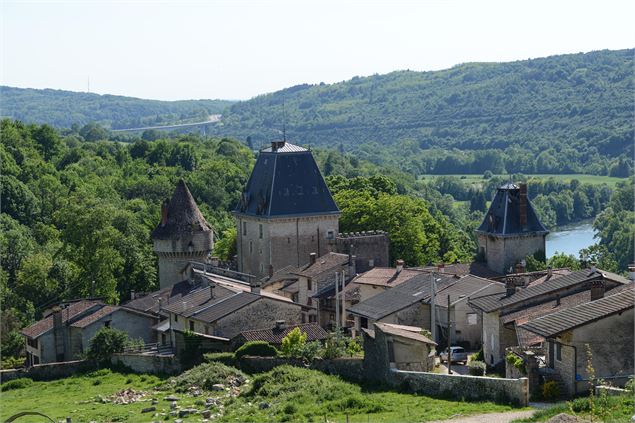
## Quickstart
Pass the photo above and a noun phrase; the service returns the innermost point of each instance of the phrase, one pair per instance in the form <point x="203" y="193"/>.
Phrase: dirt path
<point x="490" y="417"/>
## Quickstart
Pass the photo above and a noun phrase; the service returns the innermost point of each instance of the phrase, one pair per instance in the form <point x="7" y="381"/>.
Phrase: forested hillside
<point x="560" y="114"/>
<point x="64" y="109"/>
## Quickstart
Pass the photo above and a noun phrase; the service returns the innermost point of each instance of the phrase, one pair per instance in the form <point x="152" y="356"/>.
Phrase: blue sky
<point x="238" y="49"/>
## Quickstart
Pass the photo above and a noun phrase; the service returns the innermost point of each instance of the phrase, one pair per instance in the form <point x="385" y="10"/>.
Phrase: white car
<point x="458" y="355"/>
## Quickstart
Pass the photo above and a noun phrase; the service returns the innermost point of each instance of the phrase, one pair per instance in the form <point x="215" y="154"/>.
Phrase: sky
<point x="172" y="50"/>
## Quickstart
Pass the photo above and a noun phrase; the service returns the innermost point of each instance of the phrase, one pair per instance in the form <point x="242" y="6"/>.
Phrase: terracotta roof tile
<point x="385" y="276"/>
<point x="95" y="316"/>
<point x="274" y="335"/>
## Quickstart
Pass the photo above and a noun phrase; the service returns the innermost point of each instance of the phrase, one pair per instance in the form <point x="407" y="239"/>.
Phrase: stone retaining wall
<point x="470" y="388"/>
<point x="48" y="371"/>
<point x="351" y="369"/>
<point x="148" y="363"/>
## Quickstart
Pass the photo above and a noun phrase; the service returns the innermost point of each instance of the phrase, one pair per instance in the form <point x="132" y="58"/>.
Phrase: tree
<point x="562" y="260"/>
<point x="293" y="343"/>
<point x="48" y="141"/>
<point x="105" y="343"/>
<point x="93" y="132"/>
<point x="225" y="248"/>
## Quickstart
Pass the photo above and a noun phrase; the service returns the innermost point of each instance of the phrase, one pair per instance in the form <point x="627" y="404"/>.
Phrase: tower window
<point x="260" y="230"/>
<point x="192" y="326"/>
<point x="309" y="285"/>
<point x="330" y="234"/>
<point x="251" y="246"/>
<point x="244" y="228"/>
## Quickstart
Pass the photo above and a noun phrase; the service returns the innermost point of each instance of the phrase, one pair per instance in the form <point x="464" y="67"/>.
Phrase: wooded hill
<point x="65" y="108"/>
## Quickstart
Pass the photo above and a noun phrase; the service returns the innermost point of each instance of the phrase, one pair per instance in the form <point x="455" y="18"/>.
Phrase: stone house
<point x="379" y="279"/>
<point x="66" y="333"/>
<point x="274" y="335"/>
<point x="182" y="235"/>
<point x="499" y="312"/>
<point x="285" y="212"/>
<point x="396" y="346"/>
<point x="511" y="230"/>
<point x="603" y="327"/>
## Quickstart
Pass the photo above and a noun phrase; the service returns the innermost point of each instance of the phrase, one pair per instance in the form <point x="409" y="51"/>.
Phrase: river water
<point x="570" y="239"/>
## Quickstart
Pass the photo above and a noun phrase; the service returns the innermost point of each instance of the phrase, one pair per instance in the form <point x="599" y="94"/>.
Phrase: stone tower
<point x="181" y="236"/>
<point x="511" y="230"/>
<point x="285" y="213"/>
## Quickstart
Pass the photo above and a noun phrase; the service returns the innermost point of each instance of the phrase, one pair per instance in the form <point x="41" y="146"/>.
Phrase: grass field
<point x="285" y="394"/>
<point x="611" y="409"/>
<point x="591" y="179"/>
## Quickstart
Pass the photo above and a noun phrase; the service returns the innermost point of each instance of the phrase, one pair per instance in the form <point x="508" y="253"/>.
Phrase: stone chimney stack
<point x="211" y="290"/>
<point x="520" y="266"/>
<point x="522" y="204"/>
<point x="510" y="287"/>
<point x="312" y="258"/>
<point x="281" y="324"/>
<point x="399" y="265"/>
<point x="255" y="287"/>
<point x="270" y="270"/>
<point x="441" y="268"/>
<point x="598" y="287"/>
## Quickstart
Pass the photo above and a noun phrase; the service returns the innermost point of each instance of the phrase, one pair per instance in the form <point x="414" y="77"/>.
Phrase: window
<point x="251" y="246"/>
<point x="314" y="190"/>
<point x="244" y="228"/>
<point x="303" y="318"/>
<point x="472" y="319"/>
<point x="206" y="330"/>
<point x="260" y="231"/>
<point x="558" y="351"/>
<point x="288" y="240"/>
<point x="107" y="323"/>
<point x="300" y="190"/>
<point x="176" y="318"/>
<point x="309" y="285"/>
<point x="312" y="318"/>
<point x="309" y="301"/>
<point x="192" y="326"/>
<point x="330" y="234"/>
<point x="32" y="343"/>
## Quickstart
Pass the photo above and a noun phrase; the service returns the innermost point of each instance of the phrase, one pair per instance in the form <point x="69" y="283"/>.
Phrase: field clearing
<point x="590" y="179"/>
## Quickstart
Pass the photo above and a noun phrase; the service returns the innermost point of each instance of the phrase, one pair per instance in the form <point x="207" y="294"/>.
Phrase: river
<point x="570" y="239"/>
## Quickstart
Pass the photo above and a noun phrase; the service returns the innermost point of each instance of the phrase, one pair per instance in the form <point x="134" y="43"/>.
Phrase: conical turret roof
<point x="180" y="216"/>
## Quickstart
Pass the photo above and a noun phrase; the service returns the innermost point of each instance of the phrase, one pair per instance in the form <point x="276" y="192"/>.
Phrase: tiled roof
<point x="325" y="263"/>
<point x="286" y="148"/>
<point x="491" y="303"/>
<point x="218" y="309"/>
<point x="274" y="335"/>
<point x="184" y="218"/>
<point x="283" y="274"/>
<point x="93" y="317"/>
<point x="563" y="320"/>
<point x="503" y="216"/>
<point x="238" y="286"/>
<point x="385" y="276"/>
<point x="462" y="269"/>
<point x="398" y="330"/>
<point x="195" y="299"/>
<point x="286" y="182"/>
<point x="414" y="290"/>
<point x="466" y="286"/>
<point x="74" y="310"/>
<point x="150" y="302"/>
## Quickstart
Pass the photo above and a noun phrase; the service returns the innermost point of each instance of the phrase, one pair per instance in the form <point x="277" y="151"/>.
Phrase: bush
<point x="311" y="350"/>
<point x="12" y="362"/>
<point x="293" y="343"/>
<point x="353" y="348"/>
<point x="477" y="356"/>
<point x="256" y="348"/>
<point x="226" y="358"/>
<point x="20" y="383"/>
<point x="516" y="361"/>
<point x="550" y="390"/>
<point x="205" y="376"/>
<point x="476" y="368"/>
<point x="334" y="347"/>
<point x="105" y="343"/>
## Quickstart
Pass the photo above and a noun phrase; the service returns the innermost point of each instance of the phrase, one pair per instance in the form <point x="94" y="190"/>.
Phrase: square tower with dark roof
<point x="285" y="213"/>
<point x="511" y="230"/>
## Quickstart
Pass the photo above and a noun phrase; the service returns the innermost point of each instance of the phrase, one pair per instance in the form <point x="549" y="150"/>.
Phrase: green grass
<point x="591" y="179"/>
<point x="606" y="409"/>
<point x="295" y="394"/>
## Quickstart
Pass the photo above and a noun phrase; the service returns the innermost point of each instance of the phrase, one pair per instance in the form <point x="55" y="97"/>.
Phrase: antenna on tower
<point x="284" y="123"/>
<point x="89" y="83"/>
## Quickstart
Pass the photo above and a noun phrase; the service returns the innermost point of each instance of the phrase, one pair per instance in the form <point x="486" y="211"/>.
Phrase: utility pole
<point x="343" y="301"/>
<point x="337" y="304"/>
<point x="433" y="309"/>
<point x="449" y="338"/>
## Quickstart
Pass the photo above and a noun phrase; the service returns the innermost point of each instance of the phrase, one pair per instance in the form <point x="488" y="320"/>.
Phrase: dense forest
<point x="561" y="114"/>
<point x="64" y="109"/>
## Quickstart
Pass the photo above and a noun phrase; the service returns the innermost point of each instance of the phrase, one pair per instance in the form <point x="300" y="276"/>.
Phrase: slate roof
<point x="503" y="216"/>
<point x="570" y="318"/>
<point x="467" y="285"/>
<point x="93" y="317"/>
<point x="286" y="182"/>
<point x="274" y="335"/>
<point x="385" y="276"/>
<point x="184" y="218"/>
<point x="221" y="308"/>
<point x="150" y="302"/>
<point x="414" y="290"/>
<point x="462" y="269"/>
<point x="71" y="312"/>
<point x="491" y="303"/>
<point x="322" y="264"/>
<point x="399" y="330"/>
<point x="195" y="299"/>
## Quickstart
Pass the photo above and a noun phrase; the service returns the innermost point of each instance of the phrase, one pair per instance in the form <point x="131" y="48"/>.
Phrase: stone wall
<point x="148" y="363"/>
<point x="367" y="246"/>
<point x="48" y="371"/>
<point x="350" y="369"/>
<point x="503" y="252"/>
<point x="470" y="388"/>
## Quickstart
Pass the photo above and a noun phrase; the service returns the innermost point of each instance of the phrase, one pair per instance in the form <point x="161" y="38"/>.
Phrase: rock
<point x="171" y="398"/>
<point x="218" y="387"/>
<point x="173" y="405"/>
<point x="155" y="401"/>
<point x="566" y="418"/>
<point x="173" y="413"/>
<point x="187" y="411"/>
<point x="264" y="405"/>
<point x="206" y="414"/>
<point x="148" y="409"/>
<point x="178" y="421"/>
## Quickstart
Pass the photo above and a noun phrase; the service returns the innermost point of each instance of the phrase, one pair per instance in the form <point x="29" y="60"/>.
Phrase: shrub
<point x="256" y="348"/>
<point x="226" y="358"/>
<point x="311" y="350"/>
<point x="293" y="343"/>
<point x="353" y="348"/>
<point x="516" y="361"/>
<point x="476" y="368"/>
<point x="335" y="346"/>
<point x="20" y="383"/>
<point x="12" y="362"/>
<point x="477" y="356"/>
<point x="206" y="375"/>
<point x="550" y="390"/>
<point x="105" y="343"/>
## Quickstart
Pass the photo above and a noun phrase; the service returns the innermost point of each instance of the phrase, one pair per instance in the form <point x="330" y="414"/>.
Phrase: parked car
<point x="458" y="355"/>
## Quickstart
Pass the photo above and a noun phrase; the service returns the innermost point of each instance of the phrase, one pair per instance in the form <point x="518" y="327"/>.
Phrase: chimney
<point x="399" y="265"/>
<point x="214" y="261"/>
<point x="160" y="304"/>
<point x="523" y="205"/>
<point x="312" y="258"/>
<point x="510" y="287"/>
<point x="520" y="266"/>
<point x="132" y="294"/>
<point x="281" y="324"/>
<point x="597" y="289"/>
<point x="441" y="268"/>
<point x="631" y="271"/>
<point x="270" y="270"/>
<point x="164" y="212"/>
<point x="255" y="287"/>
<point x="557" y="299"/>
<point x="211" y="290"/>
<point x="274" y="146"/>
<point x="549" y="272"/>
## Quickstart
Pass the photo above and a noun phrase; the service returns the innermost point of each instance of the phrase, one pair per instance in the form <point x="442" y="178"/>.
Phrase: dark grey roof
<point x="286" y="182"/>
<point x="275" y="335"/>
<point x="467" y="286"/>
<point x="224" y="306"/>
<point x="461" y="269"/>
<point x="489" y="303"/>
<point x="327" y="262"/>
<point x="183" y="216"/>
<point x="186" y="304"/>
<point x="503" y="216"/>
<point x="150" y="302"/>
<point x="582" y="314"/>
<point x="414" y="290"/>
